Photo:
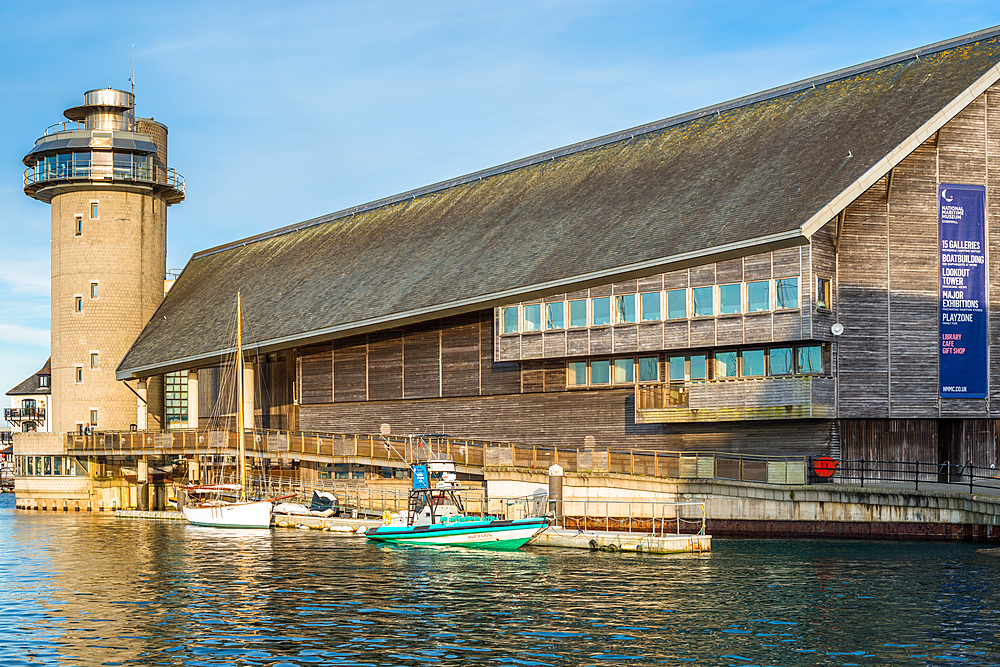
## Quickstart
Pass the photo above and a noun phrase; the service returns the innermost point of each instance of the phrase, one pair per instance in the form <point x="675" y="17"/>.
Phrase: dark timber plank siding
<point x="913" y="285"/>
<point x="554" y="419"/>
<point x="863" y="305"/>
<point x="421" y="361"/>
<point x="350" y="357"/>
<point x="385" y="365"/>
<point x="993" y="229"/>
<point x="460" y="356"/>
<point x="496" y="377"/>
<point x="317" y="373"/>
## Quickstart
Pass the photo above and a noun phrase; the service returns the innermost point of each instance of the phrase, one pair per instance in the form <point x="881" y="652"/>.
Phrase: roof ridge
<point x="621" y="135"/>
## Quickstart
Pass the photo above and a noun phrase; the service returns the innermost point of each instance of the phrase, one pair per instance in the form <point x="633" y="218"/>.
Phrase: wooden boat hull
<point x="474" y="533"/>
<point x="235" y="515"/>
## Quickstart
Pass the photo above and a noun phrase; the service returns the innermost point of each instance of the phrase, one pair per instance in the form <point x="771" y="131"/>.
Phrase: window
<point x="94" y="360"/>
<point x="726" y="364"/>
<point x="676" y="304"/>
<point x="758" y="296"/>
<point x="600" y="372"/>
<point x="93" y="210"/>
<point x="57" y="462"/>
<point x="786" y="293"/>
<point x="649" y="304"/>
<point x="729" y="299"/>
<point x="810" y="359"/>
<point x="781" y="361"/>
<point x="677" y="365"/>
<point x="578" y="313"/>
<point x="510" y="319"/>
<point x="93" y="290"/>
<point x="93" y="417"/>
<point x="43" y="380"/>
<point x="624" y="371"/>
<point x="47" y="461"/>
<point x="625" y="309"/>
<point x="823" y="294"/>
<point x="698" y="367"/>
<point x="78" y="225"/>
<point x="701" y="298"/>
<point x="554" y="315"/>
<point x="601" y="312"/>
<point x="175" y="394"/>
<point x="79" y="374"/>
<point x="649" y="369"/>
<point x="753" y="363"/>
<point x="576" y="373"/>
<point x="533" y="317"/>
<point x="78" y="303"/>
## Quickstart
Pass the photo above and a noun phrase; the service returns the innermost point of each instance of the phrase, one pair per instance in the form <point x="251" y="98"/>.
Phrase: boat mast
<point x="240" y="452"/>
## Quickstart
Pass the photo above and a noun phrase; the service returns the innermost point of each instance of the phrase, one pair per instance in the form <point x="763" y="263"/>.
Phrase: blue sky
<point x="281" y="112"/>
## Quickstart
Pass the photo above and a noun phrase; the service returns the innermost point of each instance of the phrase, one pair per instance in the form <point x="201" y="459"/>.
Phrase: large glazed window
<point x="701" y="298"/>
<point x="753" y="363"/>
<point x="625" y="309"/>
<point x="554" y="315"/>
<point x="727" y="364"/>
<point x="781" y="361"/>
<point x="578" y="313"/>
<point x="758" y="296"/>
<point x="510" y="319"/>
<point x="576" y="373"/>
<point x="786" y="293"/>
<point x="730" y="298"/>
<point x="649" y="368"/>
<point x="601" y="311"/>
<point x="676" y="304"/>
<point x="600" y="372"/>
<point x="649" y="303"/>
<point x="533" y="317"/>
<point x="810" y="359"/>
<point x="823" y="293"/>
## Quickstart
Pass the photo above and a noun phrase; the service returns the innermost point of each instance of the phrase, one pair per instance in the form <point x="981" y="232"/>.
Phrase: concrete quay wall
<point x="746" y="509"/>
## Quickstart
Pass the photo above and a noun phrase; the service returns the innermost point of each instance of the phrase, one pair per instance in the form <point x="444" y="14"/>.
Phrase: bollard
<point x="556" y="492"/>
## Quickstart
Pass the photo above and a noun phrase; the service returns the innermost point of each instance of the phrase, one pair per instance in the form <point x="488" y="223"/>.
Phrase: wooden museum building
<point x="804" y="271"/>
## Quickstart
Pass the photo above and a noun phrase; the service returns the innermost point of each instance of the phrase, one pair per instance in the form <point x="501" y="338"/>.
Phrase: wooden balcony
<point x="723" y="400"/>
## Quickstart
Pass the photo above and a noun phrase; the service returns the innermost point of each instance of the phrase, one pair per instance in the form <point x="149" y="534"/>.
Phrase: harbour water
<point x="89" y="589"/>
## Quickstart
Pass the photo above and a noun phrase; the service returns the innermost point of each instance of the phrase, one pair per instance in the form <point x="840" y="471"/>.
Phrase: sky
<point x="282" y="112"/>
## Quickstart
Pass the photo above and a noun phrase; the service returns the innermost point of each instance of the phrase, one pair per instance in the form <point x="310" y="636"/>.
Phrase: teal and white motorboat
<point x="436" y="517"/>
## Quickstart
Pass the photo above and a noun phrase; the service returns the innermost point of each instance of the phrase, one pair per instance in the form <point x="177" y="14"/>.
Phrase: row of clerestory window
<point x="694" y="302"/>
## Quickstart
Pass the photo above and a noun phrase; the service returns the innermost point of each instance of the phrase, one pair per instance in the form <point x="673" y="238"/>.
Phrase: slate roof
<point x="734" y="179"/>
<point x="31" y="386"/>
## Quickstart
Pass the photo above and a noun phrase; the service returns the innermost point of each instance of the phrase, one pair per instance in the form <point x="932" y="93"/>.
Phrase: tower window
<point x="94" y="210"/>
<point x="78" y="303"/>
<point x="79" y="374"/>
<point x="78" y="225"/>
<point x="93" y="417"/>
<point x="95" y="360"/>
<point x="93" y="290"/>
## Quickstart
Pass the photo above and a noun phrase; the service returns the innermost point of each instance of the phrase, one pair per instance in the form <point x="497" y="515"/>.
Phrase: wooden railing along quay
<point x="470" y="456"/>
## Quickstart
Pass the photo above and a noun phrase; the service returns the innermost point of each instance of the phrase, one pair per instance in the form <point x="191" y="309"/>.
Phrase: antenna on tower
<point x="131" y="79"/>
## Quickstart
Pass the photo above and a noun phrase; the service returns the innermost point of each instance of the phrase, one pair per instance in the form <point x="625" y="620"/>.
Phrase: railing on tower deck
<point x="88" y="170"/>
<point x="71" y="125"/>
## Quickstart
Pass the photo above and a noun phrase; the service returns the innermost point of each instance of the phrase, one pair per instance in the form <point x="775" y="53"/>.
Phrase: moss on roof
<point x="738" y="177"/>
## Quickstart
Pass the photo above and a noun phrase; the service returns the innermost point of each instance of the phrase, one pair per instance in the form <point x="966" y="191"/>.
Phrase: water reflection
<point x="85" y="589"/>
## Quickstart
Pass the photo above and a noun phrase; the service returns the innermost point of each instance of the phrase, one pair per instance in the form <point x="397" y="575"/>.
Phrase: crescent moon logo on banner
<point x="944" y="195"/>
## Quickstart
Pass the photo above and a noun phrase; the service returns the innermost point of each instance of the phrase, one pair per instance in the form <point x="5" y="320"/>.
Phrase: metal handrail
<point x="71" y="125"/>
<point x="84" y="170"/>
<point x="875" y="471"/>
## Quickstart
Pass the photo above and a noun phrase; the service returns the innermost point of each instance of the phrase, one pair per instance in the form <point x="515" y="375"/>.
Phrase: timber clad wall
<point x="888" y="275"/>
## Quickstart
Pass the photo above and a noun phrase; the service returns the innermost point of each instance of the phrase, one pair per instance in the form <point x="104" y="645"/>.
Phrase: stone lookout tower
<point x="104" y="172"/>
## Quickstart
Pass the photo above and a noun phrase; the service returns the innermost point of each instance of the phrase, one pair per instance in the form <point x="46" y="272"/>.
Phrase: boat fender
<point x="387" y="518"/>
<point x="362" y="530"/>
<point x="593" y="545"/>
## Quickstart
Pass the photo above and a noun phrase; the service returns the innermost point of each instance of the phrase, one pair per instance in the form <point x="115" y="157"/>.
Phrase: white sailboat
<point x="214" y="511"/>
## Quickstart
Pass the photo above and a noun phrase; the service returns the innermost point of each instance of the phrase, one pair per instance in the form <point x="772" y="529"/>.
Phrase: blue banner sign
<point x="962" y="371"/>
<point x="421" y="479"/>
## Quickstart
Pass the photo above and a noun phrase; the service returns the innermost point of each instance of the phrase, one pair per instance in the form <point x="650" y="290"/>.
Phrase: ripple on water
<point x="88" y="589"/>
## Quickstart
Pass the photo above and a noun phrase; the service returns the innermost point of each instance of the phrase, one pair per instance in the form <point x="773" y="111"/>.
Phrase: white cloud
<point x="22" y="335"/>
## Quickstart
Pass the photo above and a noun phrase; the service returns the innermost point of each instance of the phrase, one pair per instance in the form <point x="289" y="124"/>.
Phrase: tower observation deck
<point x="102" y="143"/>
<point x="104" y="173"/>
